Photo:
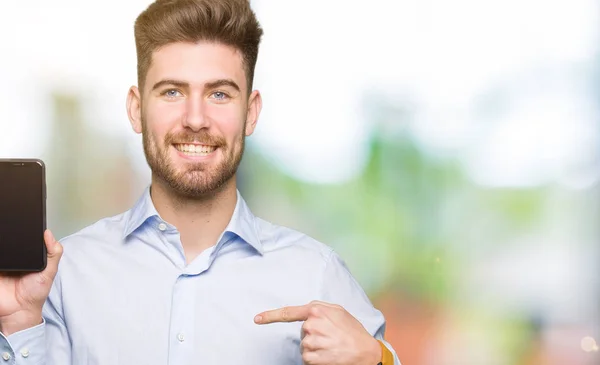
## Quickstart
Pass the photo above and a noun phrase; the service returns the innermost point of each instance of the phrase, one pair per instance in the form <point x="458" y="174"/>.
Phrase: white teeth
<point x="194" y="150"/>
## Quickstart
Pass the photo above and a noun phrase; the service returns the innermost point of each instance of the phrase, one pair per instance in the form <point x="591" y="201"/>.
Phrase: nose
<point x="195" y="117"/>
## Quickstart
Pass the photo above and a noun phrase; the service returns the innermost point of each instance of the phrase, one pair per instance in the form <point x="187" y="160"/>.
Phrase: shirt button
<point x="25" y="352"/>
<point x="180" y="337"/>
<point x="162" y="226"/>
<point x="6" y="356"/>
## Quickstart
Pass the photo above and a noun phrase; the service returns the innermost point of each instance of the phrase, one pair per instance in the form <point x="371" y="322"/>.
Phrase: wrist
<point x="375" y="353"/>
<point x="19" y="321"/>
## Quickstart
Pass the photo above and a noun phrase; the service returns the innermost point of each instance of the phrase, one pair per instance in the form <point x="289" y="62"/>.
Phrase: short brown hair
<point x="230" y="22"/>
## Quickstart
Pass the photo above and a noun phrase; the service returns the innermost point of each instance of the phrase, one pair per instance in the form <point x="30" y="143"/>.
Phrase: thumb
<point x="55" y="251"/>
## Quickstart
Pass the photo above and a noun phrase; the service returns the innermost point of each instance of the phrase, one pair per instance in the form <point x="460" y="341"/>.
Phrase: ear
<point x="134" y="109"/>
<point x="254" y="108"/>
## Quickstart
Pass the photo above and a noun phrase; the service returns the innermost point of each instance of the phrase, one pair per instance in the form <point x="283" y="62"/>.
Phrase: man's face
<point x="194" y="116"/>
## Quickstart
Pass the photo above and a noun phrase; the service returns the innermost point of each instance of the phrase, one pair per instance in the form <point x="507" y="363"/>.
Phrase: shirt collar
<point x="243" y="222"/>
<point x="142" y="210"/>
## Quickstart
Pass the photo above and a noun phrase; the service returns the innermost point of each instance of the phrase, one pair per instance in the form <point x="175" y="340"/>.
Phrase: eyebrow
<point x="222" y="82"/>
<point x="177" y="83"/>
<point x="183" y="84"/>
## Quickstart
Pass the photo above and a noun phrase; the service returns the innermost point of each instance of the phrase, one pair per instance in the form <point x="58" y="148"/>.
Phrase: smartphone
<point x="22" y="215"/>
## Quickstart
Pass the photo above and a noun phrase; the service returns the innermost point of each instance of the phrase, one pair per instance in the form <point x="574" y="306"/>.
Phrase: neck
<point x="200" y="221"/>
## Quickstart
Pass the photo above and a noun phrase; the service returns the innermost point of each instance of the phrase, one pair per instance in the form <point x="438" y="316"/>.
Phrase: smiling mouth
<point x="194" y="149"/>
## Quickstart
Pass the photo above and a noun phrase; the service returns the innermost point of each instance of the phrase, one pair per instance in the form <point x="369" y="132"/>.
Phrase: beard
<point x="196" y="180"/>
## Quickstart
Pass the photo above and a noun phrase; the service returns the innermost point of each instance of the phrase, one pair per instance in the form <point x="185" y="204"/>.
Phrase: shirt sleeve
<point x="26" y="347"/>
<point x="340" y="287"/>
<point x="58" y="342"/>
<point x="45" y="344"/>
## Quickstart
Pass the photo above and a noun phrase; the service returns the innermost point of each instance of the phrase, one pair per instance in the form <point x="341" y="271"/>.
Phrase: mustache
<point x="202" y="137"/>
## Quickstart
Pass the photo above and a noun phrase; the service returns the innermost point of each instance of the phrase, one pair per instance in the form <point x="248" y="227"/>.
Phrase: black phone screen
<point x="22" y="216"/>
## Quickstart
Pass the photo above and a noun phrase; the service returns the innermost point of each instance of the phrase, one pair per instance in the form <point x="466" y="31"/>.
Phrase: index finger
<point x="285" y="314"/>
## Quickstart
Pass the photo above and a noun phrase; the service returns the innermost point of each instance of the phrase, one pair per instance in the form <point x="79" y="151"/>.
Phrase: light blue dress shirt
<point x="125" y="295"/>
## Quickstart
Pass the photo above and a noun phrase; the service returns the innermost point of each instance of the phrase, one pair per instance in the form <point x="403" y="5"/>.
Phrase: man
<point x="189" y="275"/>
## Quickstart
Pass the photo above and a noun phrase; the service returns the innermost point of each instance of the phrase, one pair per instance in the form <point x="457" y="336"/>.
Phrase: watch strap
<point x="387" y="358"/>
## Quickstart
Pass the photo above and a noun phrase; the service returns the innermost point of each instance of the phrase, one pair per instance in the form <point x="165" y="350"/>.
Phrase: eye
<point x="171" y="93"/>
<point x="219" y="95"/>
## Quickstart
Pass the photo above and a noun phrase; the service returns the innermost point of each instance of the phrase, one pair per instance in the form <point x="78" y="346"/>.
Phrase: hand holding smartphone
<point x="29" y="254"/>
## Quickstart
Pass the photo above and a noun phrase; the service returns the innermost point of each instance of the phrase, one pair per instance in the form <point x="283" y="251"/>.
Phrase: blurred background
<point x="448" y="150"/>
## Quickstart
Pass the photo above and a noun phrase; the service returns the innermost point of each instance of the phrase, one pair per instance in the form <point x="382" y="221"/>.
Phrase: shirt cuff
<point x="24" y="347"/>
<point x="387" y="358"/>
